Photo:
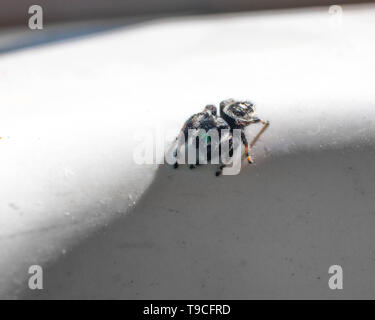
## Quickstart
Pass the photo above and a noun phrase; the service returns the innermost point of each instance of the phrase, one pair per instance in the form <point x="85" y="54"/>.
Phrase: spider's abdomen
<point x="205" y="122"/>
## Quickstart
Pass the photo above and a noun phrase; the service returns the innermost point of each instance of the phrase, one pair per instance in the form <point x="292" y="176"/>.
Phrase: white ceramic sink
<point x="73" y="201"/>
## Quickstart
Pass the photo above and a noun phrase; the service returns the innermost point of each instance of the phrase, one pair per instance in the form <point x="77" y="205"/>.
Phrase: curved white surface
<point x="69" y="113"/>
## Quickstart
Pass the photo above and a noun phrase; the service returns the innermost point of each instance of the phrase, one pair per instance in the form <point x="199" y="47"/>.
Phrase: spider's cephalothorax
<point x="240" y="114"/>
<point x="233" y="115"/>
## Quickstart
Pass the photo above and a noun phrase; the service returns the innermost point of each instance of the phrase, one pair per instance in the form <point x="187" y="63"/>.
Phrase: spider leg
<point x="179" y="144"/>
<point x="175" y="165"/>
<point x="246" y="143"/>
<point x="196" y="164"/>
<point x="220" y="170"/>
<point x="223" y="165"/>
<point x="248" y="156"/>
<point x="264" y="128"/>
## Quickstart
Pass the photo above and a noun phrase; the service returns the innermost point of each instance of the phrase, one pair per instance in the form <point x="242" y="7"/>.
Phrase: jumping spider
<point x="233" y="115"/>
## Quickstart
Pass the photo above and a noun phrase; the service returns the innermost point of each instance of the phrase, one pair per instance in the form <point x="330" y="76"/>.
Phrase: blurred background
<point x="69" y="19"/>
<point x="15" y="12"/>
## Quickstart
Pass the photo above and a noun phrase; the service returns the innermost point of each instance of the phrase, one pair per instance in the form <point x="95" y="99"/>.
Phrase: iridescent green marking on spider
<point x="205" y="135"/>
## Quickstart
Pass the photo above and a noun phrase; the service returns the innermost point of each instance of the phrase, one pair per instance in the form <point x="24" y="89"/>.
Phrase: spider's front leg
<point x="264" y="128"/>
<point x="246" y="143"/>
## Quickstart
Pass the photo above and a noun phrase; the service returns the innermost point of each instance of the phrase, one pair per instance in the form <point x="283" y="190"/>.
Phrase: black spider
<point x="233" y="115"/>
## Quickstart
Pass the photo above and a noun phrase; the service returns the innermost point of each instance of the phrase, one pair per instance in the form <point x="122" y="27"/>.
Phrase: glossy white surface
<point x="69" y="112"/>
